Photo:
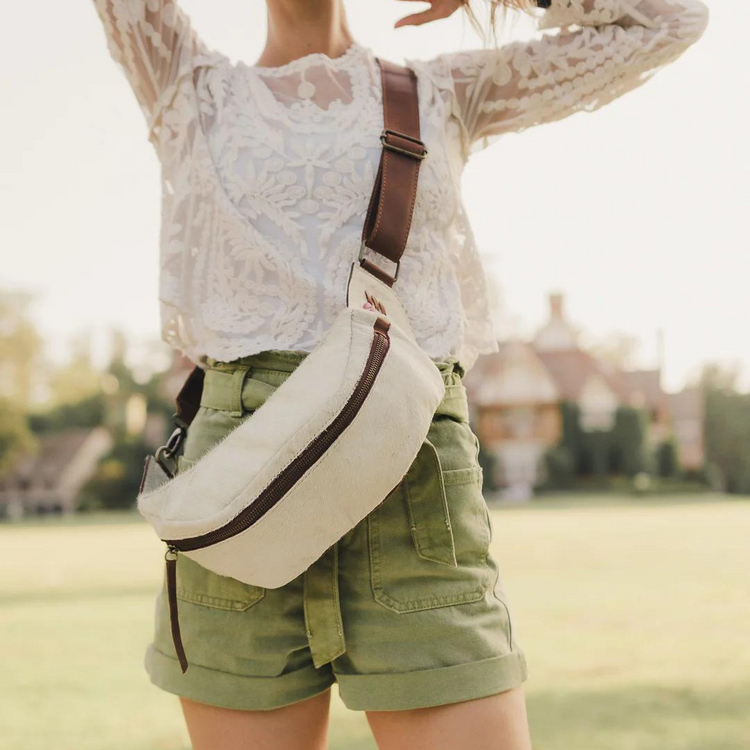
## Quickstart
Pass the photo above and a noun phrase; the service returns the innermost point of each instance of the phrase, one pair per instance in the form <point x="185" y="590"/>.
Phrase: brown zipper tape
<point x="174" y="621"/>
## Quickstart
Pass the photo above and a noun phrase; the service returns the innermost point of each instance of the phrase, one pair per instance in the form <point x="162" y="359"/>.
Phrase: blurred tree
<point x="629" y="437"/>
<point x="594" y="452"/>
<point x="558" y="468"/>
<point x="118" y="366"/>
<point x="117" y="479"/>
<point x="88" y="412"/>
<point x="78" y="379"/>
<point x="667" y="458"/>
<point x="596" y="455"/>
<point x="572" y="434"/>
<point x="20" y="348"/>
<point x="488" y="463"/>
<point x="727" y="427"/>
<point x="15" y="436"/>
<point x="118" y="476"/>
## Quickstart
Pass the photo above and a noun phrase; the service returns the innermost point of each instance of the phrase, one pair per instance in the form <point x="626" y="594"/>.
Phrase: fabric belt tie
<point x="323" y="624"/>
<point x="228" y="388"/>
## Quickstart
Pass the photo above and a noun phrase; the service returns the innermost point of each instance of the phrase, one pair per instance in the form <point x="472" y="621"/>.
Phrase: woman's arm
<point x="603" y="49"/>
<point x="154" y="44"/>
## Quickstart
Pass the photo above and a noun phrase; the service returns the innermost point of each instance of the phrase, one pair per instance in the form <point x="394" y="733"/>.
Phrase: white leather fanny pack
<point x="310" y="463"/>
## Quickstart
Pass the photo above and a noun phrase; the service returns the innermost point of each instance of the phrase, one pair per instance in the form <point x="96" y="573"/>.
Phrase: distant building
<point x="687" y="412"/>
<point x="515" y="403"/>
<point x="515" y="397"/>
<point x="50" y="479"/>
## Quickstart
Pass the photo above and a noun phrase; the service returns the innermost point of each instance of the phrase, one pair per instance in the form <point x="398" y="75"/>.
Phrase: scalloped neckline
<point x="306" y="60"/>
<point x="355" y="62"/>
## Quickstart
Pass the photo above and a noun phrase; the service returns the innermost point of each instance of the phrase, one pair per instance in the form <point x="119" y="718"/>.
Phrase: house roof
<point x="687" y="404"/>
<point x="54" y="453"/>
<point x="572" y="368"/>
<point x="645" y="387"/>
<point x="512" y="375"/>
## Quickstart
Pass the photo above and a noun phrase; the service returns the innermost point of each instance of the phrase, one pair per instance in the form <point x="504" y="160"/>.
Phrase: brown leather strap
<point x="391" y="208"/>
<point x="189" y="398"/>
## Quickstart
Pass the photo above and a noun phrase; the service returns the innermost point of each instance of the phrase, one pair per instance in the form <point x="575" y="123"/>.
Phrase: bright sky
<point x="637" y="212"/>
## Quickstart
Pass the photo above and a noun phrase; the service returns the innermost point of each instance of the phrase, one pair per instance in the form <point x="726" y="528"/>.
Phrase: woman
<point x="267" y="170"/>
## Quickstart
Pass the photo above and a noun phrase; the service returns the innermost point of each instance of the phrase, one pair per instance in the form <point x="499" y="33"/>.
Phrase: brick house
<point x="50" y="478"/>
<point x="515" y="397"/>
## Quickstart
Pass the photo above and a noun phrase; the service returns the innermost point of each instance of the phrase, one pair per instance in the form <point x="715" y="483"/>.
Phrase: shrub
<point x="558" y="468"/>
<point x="667" y="458"/>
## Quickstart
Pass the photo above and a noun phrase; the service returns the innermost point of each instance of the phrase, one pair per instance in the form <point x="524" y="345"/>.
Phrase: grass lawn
<point x="634" y="615"/>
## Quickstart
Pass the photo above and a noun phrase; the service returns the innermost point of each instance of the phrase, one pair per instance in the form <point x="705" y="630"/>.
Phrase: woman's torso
<point x="283" y="162"/>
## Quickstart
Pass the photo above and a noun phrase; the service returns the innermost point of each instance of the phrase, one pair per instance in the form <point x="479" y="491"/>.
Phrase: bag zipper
<point x="283" y="482"/>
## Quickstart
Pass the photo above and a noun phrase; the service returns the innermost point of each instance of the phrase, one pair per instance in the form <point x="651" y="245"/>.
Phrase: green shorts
<point x="405" y="611"/>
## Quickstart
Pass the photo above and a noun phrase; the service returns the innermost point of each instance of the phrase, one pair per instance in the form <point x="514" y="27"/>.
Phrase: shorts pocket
<point x="198" y="585"/>
<point x="430" y="538"/>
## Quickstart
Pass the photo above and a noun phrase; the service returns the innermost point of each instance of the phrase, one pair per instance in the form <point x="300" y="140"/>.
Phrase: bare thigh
<point x="497" y="722"/>
<point x="299" y="726"/>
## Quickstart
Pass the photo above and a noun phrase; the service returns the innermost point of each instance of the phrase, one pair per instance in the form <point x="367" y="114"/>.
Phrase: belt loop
<point x="238" y="381"/>
<point x="458" y="367"/>
<point x="451" y="368"/>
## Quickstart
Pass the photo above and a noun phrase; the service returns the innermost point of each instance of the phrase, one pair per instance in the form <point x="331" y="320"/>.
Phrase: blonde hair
<point x="487" y="29"/>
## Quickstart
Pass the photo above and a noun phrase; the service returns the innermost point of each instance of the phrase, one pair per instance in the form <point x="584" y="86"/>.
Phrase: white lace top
<point x="266" y="172"/>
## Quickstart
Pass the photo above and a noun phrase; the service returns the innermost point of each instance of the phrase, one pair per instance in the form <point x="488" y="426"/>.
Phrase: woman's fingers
<point x="417" y="19"/>
<point x="438" y="9"/>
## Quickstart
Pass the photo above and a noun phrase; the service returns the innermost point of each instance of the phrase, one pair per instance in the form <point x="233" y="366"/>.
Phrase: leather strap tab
<point x="391" y="208"/>
<point x="376" y="271"/>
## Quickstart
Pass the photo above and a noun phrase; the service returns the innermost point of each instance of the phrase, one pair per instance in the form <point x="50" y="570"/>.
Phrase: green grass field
<point x="634" y="615"/>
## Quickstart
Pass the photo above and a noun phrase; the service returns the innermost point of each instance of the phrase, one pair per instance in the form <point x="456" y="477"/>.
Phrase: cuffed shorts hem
<point x="228" y="690"/>
<point x="432" y="687"/>
<point x="399" y="691"/>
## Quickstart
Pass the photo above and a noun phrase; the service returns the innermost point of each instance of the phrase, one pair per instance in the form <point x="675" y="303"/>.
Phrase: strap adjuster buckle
<point x="361" y="257"/>
<point x="421" y="154"/>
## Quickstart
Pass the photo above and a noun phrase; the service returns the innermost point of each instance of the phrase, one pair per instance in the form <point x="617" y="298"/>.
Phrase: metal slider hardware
<point x="169" y="450"/>
<point x="361" y="257"/>
<point x="384" y="140"/>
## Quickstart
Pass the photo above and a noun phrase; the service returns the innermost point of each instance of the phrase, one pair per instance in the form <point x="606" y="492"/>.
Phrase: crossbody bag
<point x="309" y="464"/>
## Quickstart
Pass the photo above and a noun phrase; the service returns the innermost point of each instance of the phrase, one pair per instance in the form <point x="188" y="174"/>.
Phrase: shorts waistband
<point x="228" y="386"/>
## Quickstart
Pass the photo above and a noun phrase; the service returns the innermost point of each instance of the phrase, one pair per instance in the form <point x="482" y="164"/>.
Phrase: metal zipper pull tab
<point x="171" y="560"/>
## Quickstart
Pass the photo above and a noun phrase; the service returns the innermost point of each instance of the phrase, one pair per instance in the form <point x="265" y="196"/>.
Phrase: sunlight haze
<point x="638" y="212"/>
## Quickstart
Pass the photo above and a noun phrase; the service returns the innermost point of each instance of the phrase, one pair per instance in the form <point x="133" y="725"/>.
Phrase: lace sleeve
<point x="602" y="49"/>
<point x="154" y="44"/>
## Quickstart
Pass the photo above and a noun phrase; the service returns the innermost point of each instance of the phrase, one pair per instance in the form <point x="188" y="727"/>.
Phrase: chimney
<point x="556" y="305"/>
<point x="660" y="352"/>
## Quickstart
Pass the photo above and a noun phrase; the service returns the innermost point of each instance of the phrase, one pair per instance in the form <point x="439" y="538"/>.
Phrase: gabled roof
<point x="513" y="375"/>
<point x="572" y="368"/>
<point x="645" y="388"/>
<point x="54" y="453"/>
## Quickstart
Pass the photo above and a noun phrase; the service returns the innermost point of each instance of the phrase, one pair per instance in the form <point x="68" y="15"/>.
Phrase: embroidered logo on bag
<point x="374" y="304"/>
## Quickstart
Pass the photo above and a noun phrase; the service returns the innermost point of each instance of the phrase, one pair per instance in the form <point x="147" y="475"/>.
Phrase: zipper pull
<point x="171" y="559"/>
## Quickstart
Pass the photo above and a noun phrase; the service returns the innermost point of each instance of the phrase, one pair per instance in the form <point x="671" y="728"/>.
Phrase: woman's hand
<point x="438" y="9"/>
